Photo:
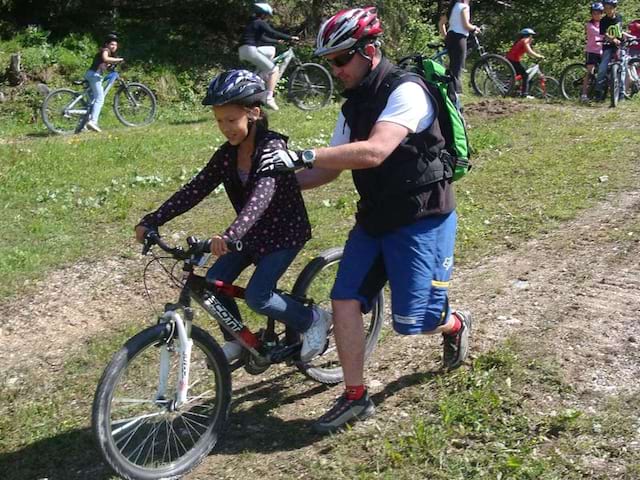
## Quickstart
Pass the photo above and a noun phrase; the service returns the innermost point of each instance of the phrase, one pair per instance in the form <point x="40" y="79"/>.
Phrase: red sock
<point x="457" y="325"/>
<point x="355" y="392"/>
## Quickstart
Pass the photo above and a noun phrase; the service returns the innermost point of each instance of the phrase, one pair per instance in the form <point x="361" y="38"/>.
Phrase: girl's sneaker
<point x="315" y="338"/>
<point x="232" y="351"/>
<point x="584" y="98"/>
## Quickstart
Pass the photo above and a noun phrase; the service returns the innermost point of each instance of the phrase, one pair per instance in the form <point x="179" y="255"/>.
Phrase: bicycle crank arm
<point x="281" y="354"/>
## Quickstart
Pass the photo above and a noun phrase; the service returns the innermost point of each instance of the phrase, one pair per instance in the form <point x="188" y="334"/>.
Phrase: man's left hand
<point x="282" y="161"/>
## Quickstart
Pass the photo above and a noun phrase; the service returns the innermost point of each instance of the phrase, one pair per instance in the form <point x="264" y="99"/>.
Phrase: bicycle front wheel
<point x="315" y="282"/>
<point x="633" y="74"/>
<point x="615" y="85"/>
<point x="494" y="69"/>
<point x="140" y="430"/>
<point x="572" y="80"/>
<point x="135" y="105"/>
<point x="62" y="110"/>
<point x="310" y="86"/>
<point x="549" y="91"/>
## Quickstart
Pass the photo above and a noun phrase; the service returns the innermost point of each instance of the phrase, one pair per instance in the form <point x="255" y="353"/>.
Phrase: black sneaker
<point x="456" y="346"/>
<point x="343" y="413"/>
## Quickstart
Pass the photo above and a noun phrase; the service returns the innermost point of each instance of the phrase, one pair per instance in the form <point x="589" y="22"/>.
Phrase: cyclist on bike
<point x="271" y="217"/>
<point x="611" y="29"/>
<point x="456" y="35"/>
<point x="258" y="40"/>
<point x="389" y="136"/>
<point x="103" y="61"/>
<point x="520" y="48"/>
<point x="593" y="48"/>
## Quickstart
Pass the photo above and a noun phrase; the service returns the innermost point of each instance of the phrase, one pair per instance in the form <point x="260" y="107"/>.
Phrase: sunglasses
<point x="342" y="60"/>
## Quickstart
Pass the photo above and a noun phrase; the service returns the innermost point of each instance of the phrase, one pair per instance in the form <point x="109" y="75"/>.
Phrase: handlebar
<point x="196" y="247"/>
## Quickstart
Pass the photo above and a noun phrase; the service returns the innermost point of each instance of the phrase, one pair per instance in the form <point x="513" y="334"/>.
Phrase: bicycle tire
<point x="614" y="81"/>
<point x="127" y="376"/>
<point x="56" y="114"/>
<point x="571" y="81"/>
<point x="498" y="69"/>
<point x="551" y="90"/>
<point x="135" y="105"/>
<point x="310" y="86"/>
<point x="633" y="73"/>
<point x="315" y="281"/>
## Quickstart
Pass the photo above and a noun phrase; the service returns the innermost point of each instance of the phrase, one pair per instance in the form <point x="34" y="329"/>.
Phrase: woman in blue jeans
<point x="104" y="60"/>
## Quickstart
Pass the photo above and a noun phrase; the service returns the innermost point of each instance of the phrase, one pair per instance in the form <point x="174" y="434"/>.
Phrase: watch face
<point x="308" y="155"/>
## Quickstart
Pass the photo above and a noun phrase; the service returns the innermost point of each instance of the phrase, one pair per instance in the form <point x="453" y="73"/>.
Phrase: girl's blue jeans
<point x="97" y="90"/>
<point x="259" y="292"/>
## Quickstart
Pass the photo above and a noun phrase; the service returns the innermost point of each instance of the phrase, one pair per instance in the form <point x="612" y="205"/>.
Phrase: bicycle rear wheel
<point x="633" y="74"/>
<point x="615" y="85"/>
<point x="496" y="69"/>
<point x="315" y="282"/>
<point x="62" y="110"/>
<point x="310" y="86"/>
<point x="135" y="105"/>
<point x="146" y="436"/>
<point x="571" y="81"/>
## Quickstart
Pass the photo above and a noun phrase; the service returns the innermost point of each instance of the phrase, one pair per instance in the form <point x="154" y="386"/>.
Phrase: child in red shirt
<point x="521" y="47"/>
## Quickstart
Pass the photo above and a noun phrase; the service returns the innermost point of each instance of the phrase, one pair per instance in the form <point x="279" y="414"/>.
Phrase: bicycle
<point x="542" y="86"/>
<point x="440" y="54"/>
<point x="164" y="399"/>
<point x="572" y="77"/>
<point x="310" y="86"/>
<point x="67" y="111"/>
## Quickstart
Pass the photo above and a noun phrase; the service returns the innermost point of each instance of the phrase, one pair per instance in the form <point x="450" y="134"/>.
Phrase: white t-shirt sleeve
<point x="408" y="105"/>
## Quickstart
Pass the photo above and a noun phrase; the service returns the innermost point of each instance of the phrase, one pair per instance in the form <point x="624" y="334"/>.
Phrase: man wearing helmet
<point x="257" y="48"/>
<point x="611" y="28"/>
<point x="389" y="136"/>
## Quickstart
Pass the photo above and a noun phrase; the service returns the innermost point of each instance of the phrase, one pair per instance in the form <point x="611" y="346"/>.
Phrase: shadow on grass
<point x="68" y="456"/>
<point x="189" y="121"/>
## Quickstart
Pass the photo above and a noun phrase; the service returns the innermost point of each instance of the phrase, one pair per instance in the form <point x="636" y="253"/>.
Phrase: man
<point x="611" y="28"/>
<point x="388" y="135"/>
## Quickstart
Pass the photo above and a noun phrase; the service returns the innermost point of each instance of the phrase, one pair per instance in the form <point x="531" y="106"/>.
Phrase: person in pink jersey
<point x="593" y="48"/>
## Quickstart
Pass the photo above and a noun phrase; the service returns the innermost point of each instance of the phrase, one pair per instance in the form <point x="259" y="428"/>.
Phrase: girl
<point x="272" y="220"/>
<point x="593" y="49"/>
<point x="518" y="50"/>
<point x="257" y="48"/>
<point x="460" y="26"/>
<point x="103" y="61"/>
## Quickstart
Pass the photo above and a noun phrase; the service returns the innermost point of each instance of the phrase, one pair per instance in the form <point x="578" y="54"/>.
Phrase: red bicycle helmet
<point x="634" y="28"/>
<point x="346" y="28"/>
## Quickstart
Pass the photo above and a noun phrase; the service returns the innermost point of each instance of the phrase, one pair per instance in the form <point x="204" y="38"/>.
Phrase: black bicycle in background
<point x="67" y="111"/>
<point x="164" y="399"/>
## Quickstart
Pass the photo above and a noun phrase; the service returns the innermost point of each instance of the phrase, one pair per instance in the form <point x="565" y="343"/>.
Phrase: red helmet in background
<point x="346" y="28"/>
<point x="634" y="28"/>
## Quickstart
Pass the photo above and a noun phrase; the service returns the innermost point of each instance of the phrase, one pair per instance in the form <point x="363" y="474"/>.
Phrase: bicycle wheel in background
<point x="633" y="74"/>
<point x="615" y="85"/>
<point x="315" y="282"/>
<point x="496" y="69"/>
<point x="551" y="90"/>
<point x="310" y="86"/>
<point x="135" y="105"/>
<point x="571" y="81"/>
<point x="62" y="110"/>
<point x="143" y="436"/>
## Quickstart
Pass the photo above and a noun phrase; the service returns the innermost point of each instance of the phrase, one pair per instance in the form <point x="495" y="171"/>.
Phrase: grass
<point x="66" y="198"/>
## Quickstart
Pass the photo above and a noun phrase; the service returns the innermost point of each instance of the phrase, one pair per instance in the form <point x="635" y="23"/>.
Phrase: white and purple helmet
<point x="346" y="28"/>
<point x="241" y="87"/>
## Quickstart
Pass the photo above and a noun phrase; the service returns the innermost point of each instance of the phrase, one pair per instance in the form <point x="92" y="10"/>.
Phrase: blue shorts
<point x="417" y="260"/>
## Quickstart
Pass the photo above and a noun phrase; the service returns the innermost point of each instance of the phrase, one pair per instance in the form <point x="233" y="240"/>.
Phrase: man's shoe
<point x="94" y="127"/>
<point x="315" y="338"/>
<point x="232" y="351"/>
<point x="343" y="413"/>
<point x="456" y="346"/>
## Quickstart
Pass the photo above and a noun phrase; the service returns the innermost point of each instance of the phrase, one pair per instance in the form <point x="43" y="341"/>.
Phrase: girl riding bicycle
<point x="520" y="48"/>
<point x="593" y="48"/>
<point x="271" y="220"/>
<point x="257" y="48"/>
<point x="104" y="60"/>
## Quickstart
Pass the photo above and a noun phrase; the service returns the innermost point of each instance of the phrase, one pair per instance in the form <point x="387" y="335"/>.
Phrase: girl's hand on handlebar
<point x="141" y="231"/>
<point x="218" y="246"/>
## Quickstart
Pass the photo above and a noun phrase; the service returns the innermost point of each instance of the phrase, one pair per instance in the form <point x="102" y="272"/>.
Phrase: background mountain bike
<point x="540" y="85"/>
<point x="164" y="398"/>
<point x="492" y="74"/>
<point x="310" y="86"/>
<point x="67" y="111"/>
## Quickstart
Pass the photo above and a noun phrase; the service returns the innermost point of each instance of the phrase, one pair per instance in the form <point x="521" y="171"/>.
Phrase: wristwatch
<point x="308" y="157"/>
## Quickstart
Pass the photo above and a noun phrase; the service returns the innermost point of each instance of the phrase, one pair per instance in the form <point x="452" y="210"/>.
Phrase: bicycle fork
<point x="182" y="328"/>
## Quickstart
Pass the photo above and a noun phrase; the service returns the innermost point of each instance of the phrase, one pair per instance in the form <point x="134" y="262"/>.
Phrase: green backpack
<point x="452" y="124"/>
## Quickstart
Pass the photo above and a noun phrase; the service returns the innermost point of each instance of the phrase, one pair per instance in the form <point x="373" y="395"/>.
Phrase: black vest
<point x="405" y="186"/>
